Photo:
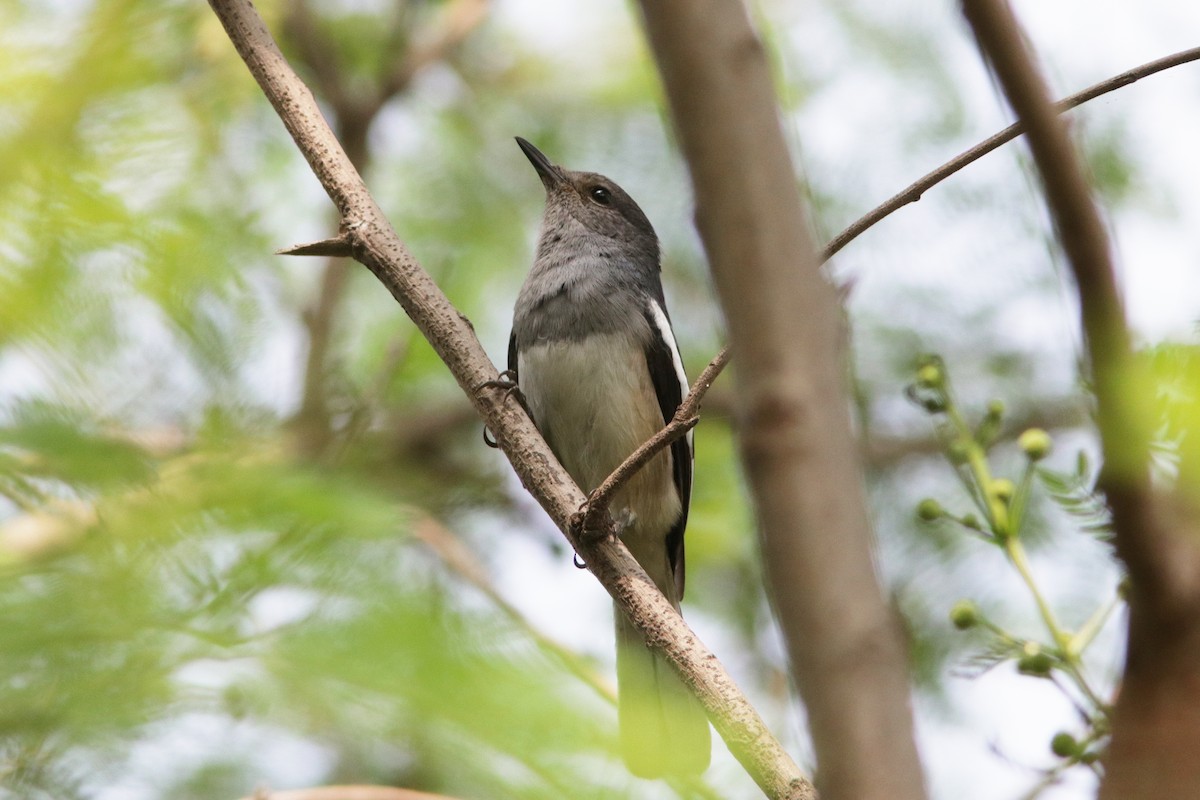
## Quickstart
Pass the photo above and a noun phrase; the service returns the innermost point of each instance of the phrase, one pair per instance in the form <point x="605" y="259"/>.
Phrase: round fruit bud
<point x="1064" y="745"/>
<point x="971" y="521"/>
<point x="1035" y="662"/>
<point x="995" y="409"/>
<point x="1035" y="443"/>
<point x="930" y="376"/>
<point x="929" y="510"/>
<point x="959" y="451"/>
<point x="1004" y="489"/>
<point x="964" y="615"/>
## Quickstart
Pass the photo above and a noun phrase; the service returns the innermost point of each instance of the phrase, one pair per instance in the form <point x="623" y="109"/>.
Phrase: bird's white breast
<point x="595" y="404"/>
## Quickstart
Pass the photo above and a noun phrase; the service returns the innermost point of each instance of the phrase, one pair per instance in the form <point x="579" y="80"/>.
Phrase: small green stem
<point x="1016" y="554"/>
<point x="1021" y="497"/>
<point x="1070" y="658"/>
<point x="997" y="508"/>
<point x="1084" y="636"/>
<point x="1004" y="512"/>
<point x="993" y="507"/>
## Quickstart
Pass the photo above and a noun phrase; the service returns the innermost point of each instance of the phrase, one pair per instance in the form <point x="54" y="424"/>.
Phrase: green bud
<point x="964" y="615"/>
<point x="1035" y="443"/>
<point x="958" y="451"/>
<point x="995" y="409"/>
<point x="1064" y="745"/>
<point x="1035" y="662"/>
<point x="929" y="510"/>
<point x="971" y="521"/>
<point x="1004" y="489"/>
<point x="930" y="376"/>
<point x="934" y="405"/>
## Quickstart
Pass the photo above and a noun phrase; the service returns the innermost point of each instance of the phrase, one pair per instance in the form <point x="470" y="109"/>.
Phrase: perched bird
<point x="594" y="356"/>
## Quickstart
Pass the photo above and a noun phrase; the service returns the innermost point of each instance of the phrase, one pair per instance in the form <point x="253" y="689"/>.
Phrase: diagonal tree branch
<point x="377" y="246"/>
<point x="796" y="442"/>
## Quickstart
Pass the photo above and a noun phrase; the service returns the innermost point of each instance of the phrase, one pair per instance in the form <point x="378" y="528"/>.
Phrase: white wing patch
<point x="664" y="330"/>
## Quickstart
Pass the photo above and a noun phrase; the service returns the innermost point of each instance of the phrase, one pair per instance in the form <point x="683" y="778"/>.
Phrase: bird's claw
<point x="506" y="381"/>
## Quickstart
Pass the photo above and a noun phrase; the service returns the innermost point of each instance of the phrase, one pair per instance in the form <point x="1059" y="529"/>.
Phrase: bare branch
<point x="687" y="416"/>
<point x="784" y="329"/>
<point x="378" y="247"/>
<point x="913" y="193"/>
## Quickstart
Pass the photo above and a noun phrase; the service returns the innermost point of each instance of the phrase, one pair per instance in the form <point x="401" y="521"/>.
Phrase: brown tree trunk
<point x="793" y="408"/>
<point x="1155" y="749"/>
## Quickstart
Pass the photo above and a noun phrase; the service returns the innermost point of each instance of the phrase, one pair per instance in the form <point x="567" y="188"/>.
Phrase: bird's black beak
<point x="551" y="175"/>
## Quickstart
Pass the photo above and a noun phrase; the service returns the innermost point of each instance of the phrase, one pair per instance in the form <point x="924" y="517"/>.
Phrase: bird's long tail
<point x="663" y="727"/>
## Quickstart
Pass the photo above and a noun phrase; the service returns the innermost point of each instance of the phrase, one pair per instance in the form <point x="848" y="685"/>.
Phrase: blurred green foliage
<point x="194" y="578"/>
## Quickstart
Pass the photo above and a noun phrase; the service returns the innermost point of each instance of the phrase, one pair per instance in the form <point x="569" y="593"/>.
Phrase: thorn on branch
<point x="338" y="246"/>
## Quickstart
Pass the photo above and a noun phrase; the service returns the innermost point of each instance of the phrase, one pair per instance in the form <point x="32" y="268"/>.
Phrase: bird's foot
<point x="507" y="382"/>
<point x="591" y="523"/>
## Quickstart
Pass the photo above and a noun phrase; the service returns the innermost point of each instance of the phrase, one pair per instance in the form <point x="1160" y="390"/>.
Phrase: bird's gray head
<point x="593" y="203"/>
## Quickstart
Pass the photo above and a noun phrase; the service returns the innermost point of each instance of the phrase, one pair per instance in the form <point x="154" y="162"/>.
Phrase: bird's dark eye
<point x="600" y="195"/>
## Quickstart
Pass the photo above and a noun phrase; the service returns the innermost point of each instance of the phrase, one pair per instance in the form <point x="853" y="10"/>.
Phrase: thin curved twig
<point x="913" y="192"/>
<point x="687" y="416"/>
